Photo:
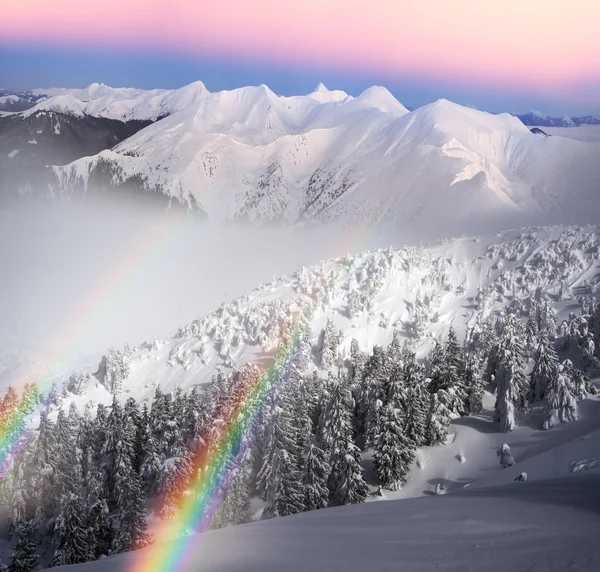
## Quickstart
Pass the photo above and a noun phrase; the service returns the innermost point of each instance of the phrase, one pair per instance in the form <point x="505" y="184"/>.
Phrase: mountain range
<point x="249" y="154"/>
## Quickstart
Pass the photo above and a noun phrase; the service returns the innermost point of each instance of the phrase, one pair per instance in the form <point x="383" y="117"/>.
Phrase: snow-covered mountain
<point x="539" y="119"/>
<point x="250" y="154"/>
<point x="253" y="155"/>
<point x="124" y="104"/>
<point x="420" y="291"/>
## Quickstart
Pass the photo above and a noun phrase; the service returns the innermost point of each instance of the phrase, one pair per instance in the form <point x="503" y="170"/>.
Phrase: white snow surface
<point x="443" y="168"/>
<point x="546" y="525"/>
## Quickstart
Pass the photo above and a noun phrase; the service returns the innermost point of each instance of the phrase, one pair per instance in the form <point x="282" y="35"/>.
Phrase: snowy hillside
<point x="548" y="525"/>
<point x="250" y="154"/>
<point x="419" y="291"/>
<point x="368" y="395"/>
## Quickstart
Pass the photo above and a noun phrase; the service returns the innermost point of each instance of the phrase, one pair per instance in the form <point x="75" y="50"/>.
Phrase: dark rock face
<point x="29" y="143"/>
<point x="538" y="131"/>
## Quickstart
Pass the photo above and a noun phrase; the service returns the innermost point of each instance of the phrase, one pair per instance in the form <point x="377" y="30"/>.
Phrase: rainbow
<point x="230" y="443"/>
<point x="14" y="434"/>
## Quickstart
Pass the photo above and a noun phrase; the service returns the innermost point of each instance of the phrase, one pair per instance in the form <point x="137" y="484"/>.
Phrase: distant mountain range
<point x="538" y="119"/>
<point x="249" y="154"/>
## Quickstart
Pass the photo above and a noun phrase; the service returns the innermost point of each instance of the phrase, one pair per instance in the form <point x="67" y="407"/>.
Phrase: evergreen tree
<point x="100" y="532"/>
<point x="284" y="496"/>
<point x="45" y="476"/>
<point x="438" y="419"/>
<point x="531" y="329"/>
<point x="346" y="484"/>
<point x="474" y="384"/>
<point x="236" y="506"/>
<point x="512" y="385"/>
<point x="68" y="460"/>
<point x="70" y="532"/>
<point x="335" y="423"/>
<point x="435" y="367"/>
<point x="561" y="403"/>
<point x="25" y="558"/>
<point x="356" y="364"/>
<point x="394" y="451"/>
<point x="314" y="479"/>
<point x="328" y="346"/>
<point x="376" y="373"/>
<point x="280" y="436"/>
<point x="451" y="373"/>
<point x="130" y="517"/>
<point x="544" y="370"/>
<point x="394" y="351"/>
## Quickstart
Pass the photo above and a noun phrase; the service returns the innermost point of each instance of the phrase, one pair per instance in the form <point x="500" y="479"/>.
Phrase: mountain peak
<point x="379" y="97"/>
<point x="320" y="88"/>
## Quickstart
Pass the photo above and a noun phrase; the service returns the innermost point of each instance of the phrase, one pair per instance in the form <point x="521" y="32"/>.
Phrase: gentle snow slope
<point x="548" y="525"/>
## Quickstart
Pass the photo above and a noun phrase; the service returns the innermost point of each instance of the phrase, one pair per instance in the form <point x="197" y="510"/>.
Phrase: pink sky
<point x="545" y="45"/>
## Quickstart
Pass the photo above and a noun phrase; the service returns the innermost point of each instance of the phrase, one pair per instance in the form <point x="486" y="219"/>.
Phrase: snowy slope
<point x="251" y="154"/>
<point x="549" y="525"/>
<point x="451" y="283"/>
<point x="376" y="292"/>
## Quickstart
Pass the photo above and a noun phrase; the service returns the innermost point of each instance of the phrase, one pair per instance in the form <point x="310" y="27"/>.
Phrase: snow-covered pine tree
<point x="314" y="479"/>
<point x="44" y="476"/>
<point x="511" y="383"/>
<point x="100" y="531"/>
<point x="546" y="315"/>
<point x="531" y="329"/>
<point x="130" y="516"/>
<point x="328" y="346"/>
<point x="394" y="450"/>
<point x="346" y="483"/>
<point x="236" y="507"/>
<point x="450" y="374"/>
<point x="23" y="498"/>
<point x="114" y="451"/>
<point x="304" y="353"/>
<point x="280" y="436"/>
<point x="25" y="558"/>
<point x="356" y="363"/>
<point x="299" y="401"/>
<point x="474" y="384"/>
<point x="561" y="403"/>
<point x="375" y="373"/>
<point x="53" y="398"/>
<point x="544" y="369"/>
<point x="284" y="494"/>
<point x="335" y="423"/>
<point x="68" y="458"/>
<point x="414" y="398"/>
<point x="70" y="532"/>
<point x="438" y="419"/>
<point x="394" y="351"/>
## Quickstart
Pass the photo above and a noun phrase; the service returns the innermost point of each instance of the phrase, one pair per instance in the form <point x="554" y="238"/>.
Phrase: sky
<point x="509" y="55"/>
